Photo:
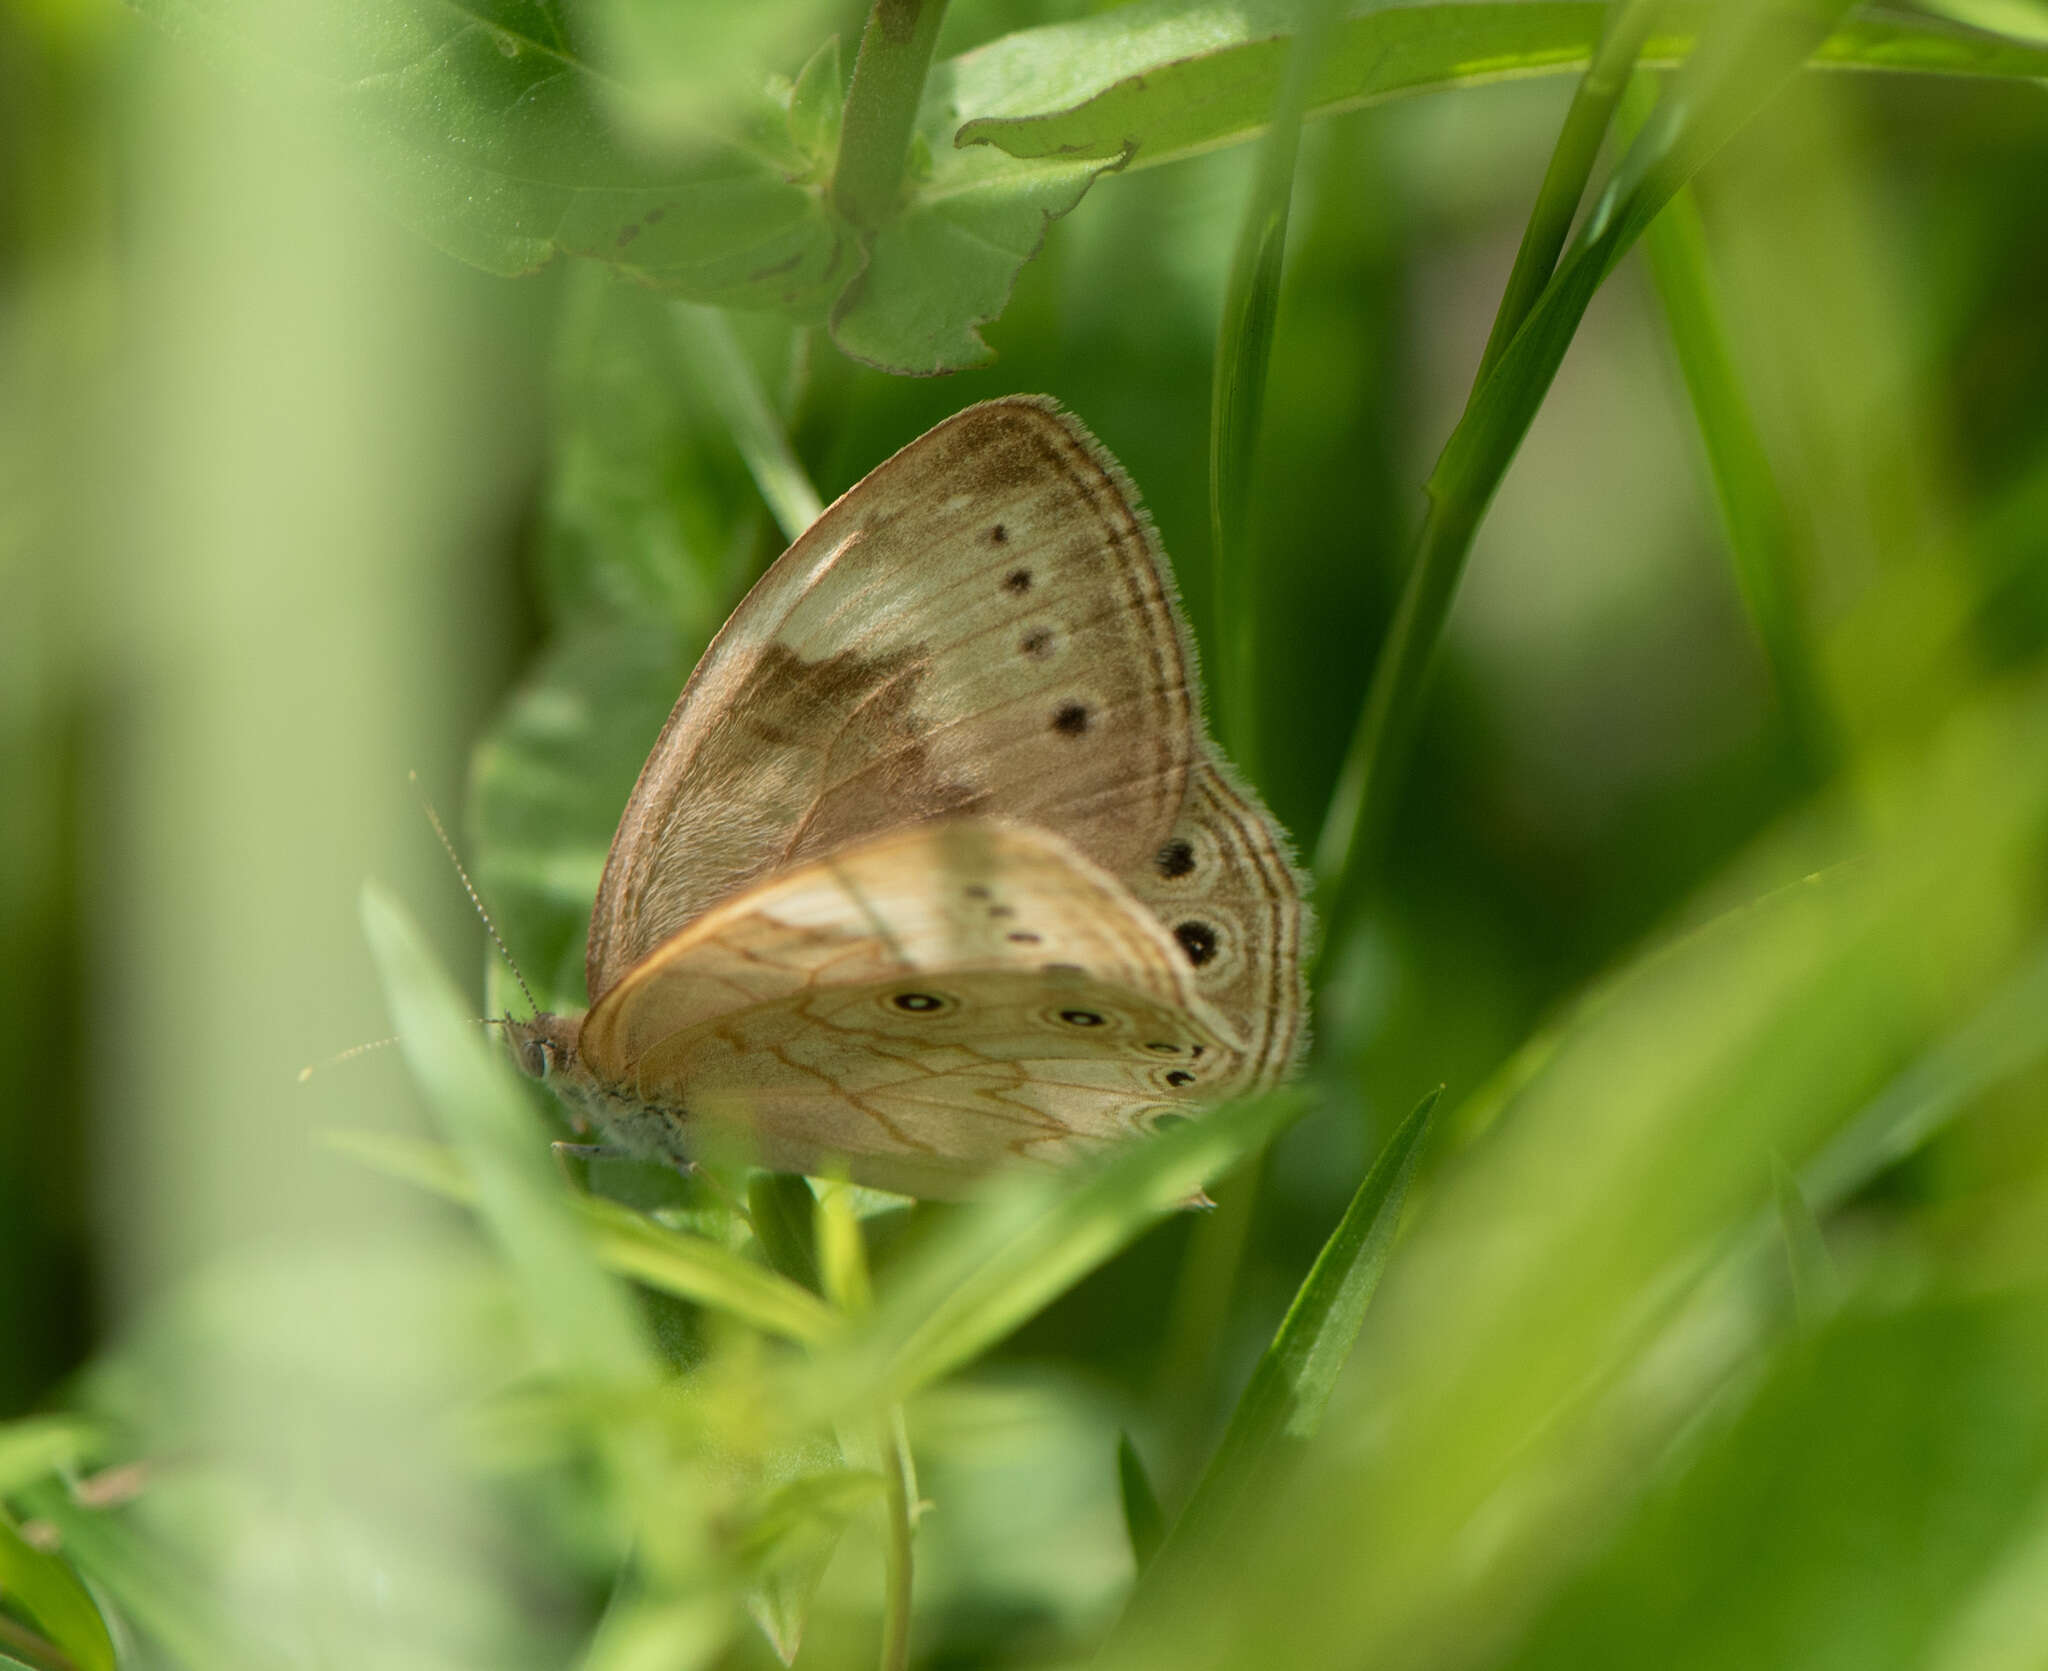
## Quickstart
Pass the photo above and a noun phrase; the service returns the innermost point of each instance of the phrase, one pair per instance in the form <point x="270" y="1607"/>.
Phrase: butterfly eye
<point x="535" y="1058"/>
<point x="918" y="1003"/>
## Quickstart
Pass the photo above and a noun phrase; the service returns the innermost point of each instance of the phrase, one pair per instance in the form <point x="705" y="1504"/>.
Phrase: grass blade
<point x="1745" y="488"/>
<point x="713" y="357"/>
<point x="1244" y="350"/>
<point x="1284" y="1400"/>
<point x="52" y="1595"/>
<point x="1029" y="1242"/>
<point x="1816" y="1288"/>
<point x="1144" y="1519"/>
<point x="1739" y="65"/>
<point x="689" y="1267"/>
<point x="520" y="1198"/>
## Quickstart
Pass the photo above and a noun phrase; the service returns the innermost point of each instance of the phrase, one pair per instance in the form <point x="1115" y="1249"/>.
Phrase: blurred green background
<point x="292" y="504"/>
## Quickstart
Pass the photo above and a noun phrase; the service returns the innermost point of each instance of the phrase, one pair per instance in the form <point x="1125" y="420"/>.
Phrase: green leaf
<point x="33" y="1447"/>
<point x="1282" y="1404"/>
<point x="948" y="260"/>
<point x="1847" y="1518"/>
<point x="1159" y="80"/>
<point x="690" y="1267"/>
<point x="791" y="1536"/>
<point x="479" y="125"/>
<point x="521" y="1198"/>
<point x="1030" y="1240"/>
<point x="52" y="1595"/>
<point x="161" y="1596"/>
<point x="1144" y="1519"/>
<point x="783" y="1213"/>
<point x="1816" y="1288"/>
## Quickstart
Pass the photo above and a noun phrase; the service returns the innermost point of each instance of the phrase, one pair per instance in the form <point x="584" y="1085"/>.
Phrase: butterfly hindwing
<point x="1224" y="886"/>
<point x="918" y="1008"/>
<point x="982" y="626"/>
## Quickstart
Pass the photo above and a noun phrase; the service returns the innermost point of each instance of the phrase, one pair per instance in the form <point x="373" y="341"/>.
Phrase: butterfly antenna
<point x="468" y="887"/>
<point x="307" y="1073"/>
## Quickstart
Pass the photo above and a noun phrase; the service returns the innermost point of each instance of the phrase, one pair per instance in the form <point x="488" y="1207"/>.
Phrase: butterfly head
<point x="545" y="1047"/>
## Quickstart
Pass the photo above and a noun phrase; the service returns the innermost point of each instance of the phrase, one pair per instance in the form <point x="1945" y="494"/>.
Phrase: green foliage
<point x="1706" y="1321"/>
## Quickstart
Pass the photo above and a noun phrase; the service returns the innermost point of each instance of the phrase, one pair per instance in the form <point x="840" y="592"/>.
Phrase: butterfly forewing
<point x="919" y="1008"/>
<point x="981" y="626"/>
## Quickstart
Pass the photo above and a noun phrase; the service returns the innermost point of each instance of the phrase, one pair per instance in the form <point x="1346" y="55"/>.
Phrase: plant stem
<point x="899" y="1487"/>
<point x="881" y="108"/>
<point x="713" y="356"/>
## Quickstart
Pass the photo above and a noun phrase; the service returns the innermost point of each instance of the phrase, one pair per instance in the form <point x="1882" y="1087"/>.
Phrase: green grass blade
<point x="1144" y="1519"/>
<point x="689" y="1267"/>
<point x="1816" y="1286"/>
<point x="1026" y="1244"/>
<point x="1622" y="37"/>
<point x="1739" y="65"/>
<point x="712" y="355"/>
<point x="51" y="1594"/>
<point x="158" y="1596"/>
<point x="521" y="1199"/>
<point x="1745" y="487"/>
<point x="1284" y="1400"/>
<point x="1244" y="351"/>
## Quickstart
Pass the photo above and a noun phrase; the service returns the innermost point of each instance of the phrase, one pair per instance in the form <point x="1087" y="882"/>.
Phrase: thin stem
<point x="1734" y="72"/>
<point x="712" y="354"/>
<point x="899" y="1493"/>
<point x="1244" y="349"/>
<point x="881" y="108"/>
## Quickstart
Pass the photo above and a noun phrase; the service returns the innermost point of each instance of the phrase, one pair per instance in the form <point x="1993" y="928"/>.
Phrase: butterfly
<point x="933" y="868"/>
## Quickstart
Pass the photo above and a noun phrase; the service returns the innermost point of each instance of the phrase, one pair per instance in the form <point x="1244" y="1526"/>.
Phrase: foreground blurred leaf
<point x="1847" y="1518"/>
<point x="1026" y="1243"/>
<point x="690" y="1267"/>
<point x="1282" y="1404"/>
<point x="1144" y="1519"/>
<point x="1516" y="1405"/>
<point x="36" y="1446"/>
<point x="480" y="125"/>
<point x="54" y="1598"/>
<point x="524" y="1205"/>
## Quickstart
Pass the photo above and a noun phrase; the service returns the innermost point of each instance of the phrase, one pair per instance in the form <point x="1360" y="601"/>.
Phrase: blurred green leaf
<point x="1514" y="1383"/>
<point x="1030" y="1239"/>
<point x="150" y="1587"/>
<point x="690" y="1267"/>
<point x="480" y="125"/>
<point x="1816" y="1288"/>
<point x="1151" y="82"/>
<point x="1282" y="1404"/>
<point x="1144" y="1519"/>
<point x="523" y="1203"/>
<point x="32" y="1447"/>
<point x="52" y="1595"/>
<point x="1849" y="1514"/>
<point x="783" y="1215"/>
